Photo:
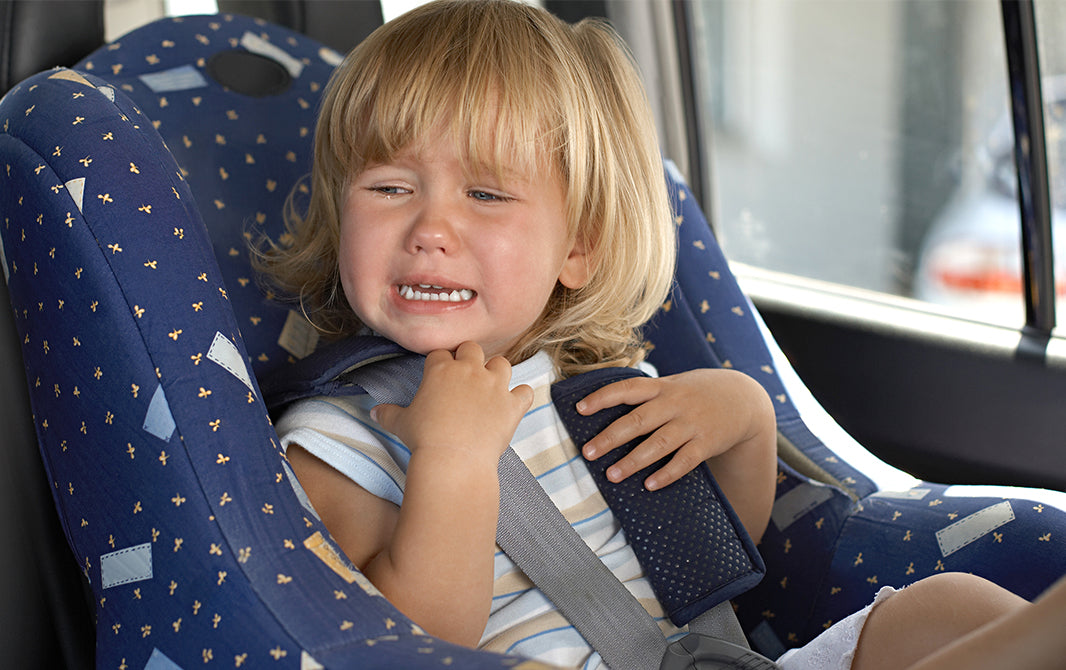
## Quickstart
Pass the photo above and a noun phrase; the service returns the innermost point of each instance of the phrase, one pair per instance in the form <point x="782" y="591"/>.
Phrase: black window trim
<point x="1030" y="156"/>
<point x="698" y="180"/>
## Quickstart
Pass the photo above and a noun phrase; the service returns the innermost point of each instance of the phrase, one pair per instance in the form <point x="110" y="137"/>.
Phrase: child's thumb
<point x="384" y="414"/>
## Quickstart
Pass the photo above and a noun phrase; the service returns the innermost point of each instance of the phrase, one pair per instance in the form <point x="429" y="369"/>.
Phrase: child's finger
<point x="631" y="391"/>
<point x="470" y="351"/>
<point x="677" y="467"/>
<point x="438" y="356"/>
<point x="660" y="444"/>
<point x="524" y="395"/>
<point x="500" y="366"/>
<point x="683" y="461"/>
<point x="641" y="420"/>
<point x="385" y="415"/>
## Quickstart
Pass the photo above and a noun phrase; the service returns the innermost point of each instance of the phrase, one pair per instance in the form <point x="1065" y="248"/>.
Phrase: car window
<point x="1051" y="25"/>
<point x="122" y="16"/>
<point x="870" y="144"/>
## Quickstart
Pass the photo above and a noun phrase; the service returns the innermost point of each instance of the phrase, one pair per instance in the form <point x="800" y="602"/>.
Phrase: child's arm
<point x="433" y="556"/>
<point x="720" y="416"/>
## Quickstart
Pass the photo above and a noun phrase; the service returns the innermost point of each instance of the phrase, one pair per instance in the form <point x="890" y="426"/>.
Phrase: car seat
<point x="43" y="621"/>
<point x="131" y="183"/>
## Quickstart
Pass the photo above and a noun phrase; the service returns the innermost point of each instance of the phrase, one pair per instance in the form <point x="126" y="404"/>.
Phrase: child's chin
<point x="425" y="346"/>
<point x="424" y="341"/>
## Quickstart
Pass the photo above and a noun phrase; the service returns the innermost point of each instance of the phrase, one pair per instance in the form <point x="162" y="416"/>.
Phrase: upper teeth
<point x="437" y="293"/>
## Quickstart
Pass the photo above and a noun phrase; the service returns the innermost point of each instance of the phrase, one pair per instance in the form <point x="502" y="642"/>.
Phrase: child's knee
<point x="927" y="615"/>
<point x="967" y="596"/>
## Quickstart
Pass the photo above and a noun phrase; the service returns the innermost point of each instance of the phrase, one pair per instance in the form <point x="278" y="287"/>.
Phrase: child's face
<point x="432" y="258"/>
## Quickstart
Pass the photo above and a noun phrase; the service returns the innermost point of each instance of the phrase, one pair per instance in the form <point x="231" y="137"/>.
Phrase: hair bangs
<point x="472" y="81"/>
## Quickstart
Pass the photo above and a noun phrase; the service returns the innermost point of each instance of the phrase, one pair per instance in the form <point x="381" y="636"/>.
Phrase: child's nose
<point x="434" y="230"/>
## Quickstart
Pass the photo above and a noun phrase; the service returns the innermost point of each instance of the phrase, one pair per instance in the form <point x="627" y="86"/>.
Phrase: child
<point x="487" y="190"/>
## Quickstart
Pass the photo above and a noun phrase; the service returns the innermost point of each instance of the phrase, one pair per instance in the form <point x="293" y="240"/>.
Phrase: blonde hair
<point x="519" y="89"/>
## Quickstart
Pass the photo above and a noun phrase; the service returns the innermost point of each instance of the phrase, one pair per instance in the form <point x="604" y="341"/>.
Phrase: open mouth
<point x="430" y="293"/>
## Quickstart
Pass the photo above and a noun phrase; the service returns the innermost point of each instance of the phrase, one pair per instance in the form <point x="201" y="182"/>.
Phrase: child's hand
<point x="723" y="417"/>
<point x="695" y="415"/>
<point x="462" y="405"/>
<point x="433" y="556"/>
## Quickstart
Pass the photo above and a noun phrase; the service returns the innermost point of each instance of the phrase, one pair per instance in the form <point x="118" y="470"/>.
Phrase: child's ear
<point x="575" y="272"/>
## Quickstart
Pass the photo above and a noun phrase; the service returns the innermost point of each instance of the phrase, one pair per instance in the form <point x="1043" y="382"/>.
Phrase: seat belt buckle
<point x="700" y="652"/>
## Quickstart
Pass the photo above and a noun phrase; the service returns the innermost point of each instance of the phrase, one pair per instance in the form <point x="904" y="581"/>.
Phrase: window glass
<point x="1050" y="24"/>
<point x="122" y="16"/>
<point x="865" y="143"/>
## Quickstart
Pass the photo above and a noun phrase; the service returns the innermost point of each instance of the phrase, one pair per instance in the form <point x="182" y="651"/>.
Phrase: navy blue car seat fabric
<point x="128" y="189"/>
<point x="174" y="496"/>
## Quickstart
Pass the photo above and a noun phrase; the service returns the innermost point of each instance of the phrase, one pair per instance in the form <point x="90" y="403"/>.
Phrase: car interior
<point x="154" y="521"/>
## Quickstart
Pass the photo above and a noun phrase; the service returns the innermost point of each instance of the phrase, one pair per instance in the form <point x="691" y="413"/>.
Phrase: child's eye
<point x="389" y="191"/>
<point x="486" y="196"/>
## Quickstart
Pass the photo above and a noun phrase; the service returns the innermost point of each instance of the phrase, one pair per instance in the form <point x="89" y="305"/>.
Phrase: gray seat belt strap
<point x="534" y="533"/>
<point x="720" y="622"/>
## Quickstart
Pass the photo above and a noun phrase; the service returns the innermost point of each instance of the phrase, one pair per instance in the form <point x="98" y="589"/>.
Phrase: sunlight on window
<point x="186" y="7"/>
<point x="122" y="16"/>
<point x="390" y="9"/>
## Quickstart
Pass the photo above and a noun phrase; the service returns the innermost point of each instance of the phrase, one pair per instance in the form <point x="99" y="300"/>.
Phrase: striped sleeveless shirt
<point x="523" y="621"/>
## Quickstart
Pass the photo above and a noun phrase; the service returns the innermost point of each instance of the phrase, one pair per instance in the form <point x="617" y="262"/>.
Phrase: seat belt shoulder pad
<point x="689" y="541"/>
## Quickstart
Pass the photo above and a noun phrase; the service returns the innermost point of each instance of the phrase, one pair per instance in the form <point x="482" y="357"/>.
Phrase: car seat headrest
<point x="235" y="100"/>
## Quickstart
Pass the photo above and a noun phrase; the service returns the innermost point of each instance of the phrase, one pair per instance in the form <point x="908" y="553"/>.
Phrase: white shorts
<point x="835" y="648"/>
